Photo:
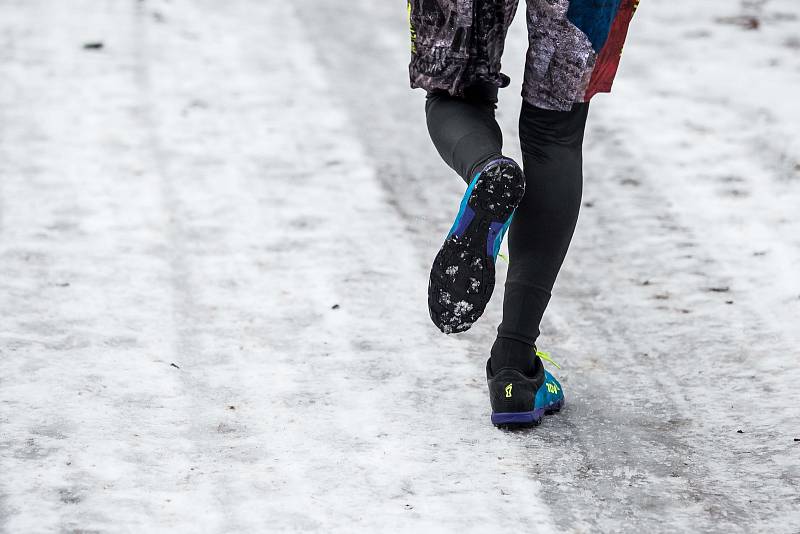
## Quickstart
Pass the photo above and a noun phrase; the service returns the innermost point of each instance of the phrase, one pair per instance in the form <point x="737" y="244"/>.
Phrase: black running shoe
<point x="462" y="276"/>
<point x="520" y="400"/>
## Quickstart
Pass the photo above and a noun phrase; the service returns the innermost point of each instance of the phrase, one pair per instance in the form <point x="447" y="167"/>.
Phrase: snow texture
<point x="216" y="224"/>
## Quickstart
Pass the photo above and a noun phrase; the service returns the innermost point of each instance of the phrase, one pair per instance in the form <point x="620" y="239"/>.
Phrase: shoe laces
<point x="546" y="357"/>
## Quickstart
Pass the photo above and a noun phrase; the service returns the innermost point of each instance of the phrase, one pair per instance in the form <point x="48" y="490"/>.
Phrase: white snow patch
<point x="462" y="307"/>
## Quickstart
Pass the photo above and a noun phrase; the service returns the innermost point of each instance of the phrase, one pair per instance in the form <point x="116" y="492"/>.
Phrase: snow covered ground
<point x="215" y="232"/>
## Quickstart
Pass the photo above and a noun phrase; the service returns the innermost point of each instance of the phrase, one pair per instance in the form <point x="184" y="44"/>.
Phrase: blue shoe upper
<point x="465" y="213"/>
<point x="549" y="393"/>
<point x="497" y="230"/>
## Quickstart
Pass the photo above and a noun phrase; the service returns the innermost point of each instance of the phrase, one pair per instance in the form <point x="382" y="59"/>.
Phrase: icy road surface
<point x="215" y="232"/>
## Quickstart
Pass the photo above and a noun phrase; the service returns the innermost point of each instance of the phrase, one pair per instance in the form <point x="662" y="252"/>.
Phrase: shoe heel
<point x="531" y="418"/>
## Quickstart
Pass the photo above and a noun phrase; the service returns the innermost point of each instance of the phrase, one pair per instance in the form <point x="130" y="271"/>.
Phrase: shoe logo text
<point x="508" y="390"/>
<point x="552" y="388"/>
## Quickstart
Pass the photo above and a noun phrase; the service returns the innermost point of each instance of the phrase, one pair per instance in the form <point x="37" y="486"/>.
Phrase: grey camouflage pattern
<point x="456" y="43"/>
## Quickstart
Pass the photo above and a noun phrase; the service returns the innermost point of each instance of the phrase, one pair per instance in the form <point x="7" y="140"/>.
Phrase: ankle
<point x="513" y="354"/>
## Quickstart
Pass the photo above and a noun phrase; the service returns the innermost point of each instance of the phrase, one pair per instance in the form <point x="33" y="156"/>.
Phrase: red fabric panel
<point x="608" y="60"/>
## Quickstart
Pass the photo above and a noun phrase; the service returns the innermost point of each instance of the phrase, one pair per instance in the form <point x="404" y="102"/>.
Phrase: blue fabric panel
<point x="594" y="18"/>
<point x="545" y="397"/>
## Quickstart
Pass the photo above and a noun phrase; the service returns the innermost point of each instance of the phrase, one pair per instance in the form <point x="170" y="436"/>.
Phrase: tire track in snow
<point x="204" y="415"/>
<point x="82" y="269"/>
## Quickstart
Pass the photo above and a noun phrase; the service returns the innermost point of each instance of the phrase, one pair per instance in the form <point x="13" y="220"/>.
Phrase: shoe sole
<point x="462" y="275"/>
<point x="525" y="419"/>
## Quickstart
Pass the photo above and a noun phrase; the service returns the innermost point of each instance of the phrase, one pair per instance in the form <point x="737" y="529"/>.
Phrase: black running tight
<point x="465" y="133"/>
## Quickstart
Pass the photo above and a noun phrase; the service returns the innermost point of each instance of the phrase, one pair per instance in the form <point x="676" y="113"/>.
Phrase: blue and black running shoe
<point x="519" y="400"/>
<point x="462" y="276"/>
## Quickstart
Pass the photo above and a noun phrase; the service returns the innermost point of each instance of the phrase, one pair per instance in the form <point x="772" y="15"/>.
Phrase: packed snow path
<point x="215" y="232"/>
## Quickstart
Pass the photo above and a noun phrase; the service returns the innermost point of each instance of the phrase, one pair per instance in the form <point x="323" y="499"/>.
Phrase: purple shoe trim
<point x="519" y="418"/>
<point x="463" y="222"/>
<point x="494" y="230"/>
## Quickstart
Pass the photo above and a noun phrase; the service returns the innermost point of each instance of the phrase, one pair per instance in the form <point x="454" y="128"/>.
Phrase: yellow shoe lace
<point x="546" y="357"/>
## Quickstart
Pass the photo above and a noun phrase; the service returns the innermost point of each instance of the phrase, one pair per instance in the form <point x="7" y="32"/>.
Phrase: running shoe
<point x="519" y="400"/>
<point x="462" y="276"/>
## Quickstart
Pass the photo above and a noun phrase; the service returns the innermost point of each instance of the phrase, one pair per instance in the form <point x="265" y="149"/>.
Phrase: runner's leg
<point x="464" y="129"/>
<point x="543" y="226"/>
